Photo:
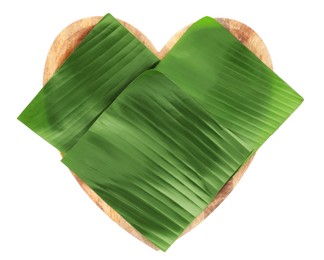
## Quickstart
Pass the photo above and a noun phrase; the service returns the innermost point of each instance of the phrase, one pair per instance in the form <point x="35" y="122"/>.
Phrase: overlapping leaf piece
<point x="105" y="62"/>
<point x="229" y="81"/>
<point x="156" y="157"/>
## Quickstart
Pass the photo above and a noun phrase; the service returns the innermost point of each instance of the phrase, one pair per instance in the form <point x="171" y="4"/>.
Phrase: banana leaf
<point x="230" y="82"/>
<point x="157" y="157"/>
<point x="159" y="148"/>
<point x="105" y="62"/>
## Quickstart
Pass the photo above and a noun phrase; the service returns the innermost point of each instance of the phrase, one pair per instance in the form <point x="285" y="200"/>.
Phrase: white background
<point x="276" y="211"/>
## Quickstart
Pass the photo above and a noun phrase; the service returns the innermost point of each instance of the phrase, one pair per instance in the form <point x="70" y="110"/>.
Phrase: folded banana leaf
<point x="157" y="157"/>
<point x="105" y="62"/>
<point x="158" y="145"/>
<point x="230" y="82"/>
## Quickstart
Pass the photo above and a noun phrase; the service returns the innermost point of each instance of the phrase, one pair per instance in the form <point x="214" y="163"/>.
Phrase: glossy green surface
<point x="156" y="157"/>
<point x="105" y="62"/>
<point x="229" y="81"/>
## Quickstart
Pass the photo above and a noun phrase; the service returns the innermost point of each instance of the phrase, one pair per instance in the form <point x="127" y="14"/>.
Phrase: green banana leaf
<point x="230" y="82"/>
<point x="158" y="145"/>
<point x="157" y="157"/>
<point x="105" y="62"/>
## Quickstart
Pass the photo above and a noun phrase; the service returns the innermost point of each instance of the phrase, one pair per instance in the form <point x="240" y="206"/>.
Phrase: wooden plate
<point x="72" y="35"/>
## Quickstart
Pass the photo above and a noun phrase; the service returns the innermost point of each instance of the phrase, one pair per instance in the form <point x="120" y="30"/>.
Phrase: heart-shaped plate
<point x="70" y="38"/>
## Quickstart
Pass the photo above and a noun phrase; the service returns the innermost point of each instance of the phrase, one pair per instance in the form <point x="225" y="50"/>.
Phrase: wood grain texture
<point x="70" y="38"/>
